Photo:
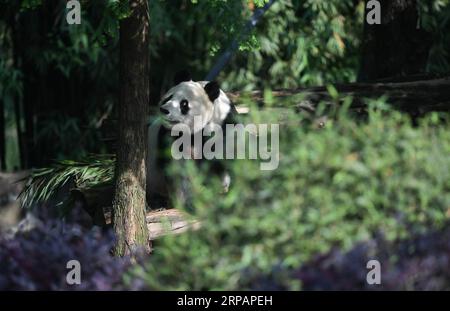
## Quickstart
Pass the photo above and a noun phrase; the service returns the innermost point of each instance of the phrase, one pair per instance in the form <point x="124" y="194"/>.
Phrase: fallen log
<point x="172" y="221"/>
<point x="164" y="222"/>
<point x="413" y="97"/>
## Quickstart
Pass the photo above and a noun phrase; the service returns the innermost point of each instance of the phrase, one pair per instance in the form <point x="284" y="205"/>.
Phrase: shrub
<point x="417" y="263"/>
<point x="334" y="187"/>
<point x="36" y="259"/>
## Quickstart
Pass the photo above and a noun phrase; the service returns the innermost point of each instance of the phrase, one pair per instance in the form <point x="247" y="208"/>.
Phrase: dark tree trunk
<point x="19" y="132"/>
<point x="2" y="137"/>
<point x="129" y="200"/>
<point x="46" y="90"/>
<point x="22" y="38"/>
<point x="16" y="98"/>
<point x="398" y="46"/>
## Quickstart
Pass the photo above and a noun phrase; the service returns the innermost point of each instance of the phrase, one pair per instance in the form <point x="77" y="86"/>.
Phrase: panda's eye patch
<point x="184" y="106"/>
<point x="166" y="100"/>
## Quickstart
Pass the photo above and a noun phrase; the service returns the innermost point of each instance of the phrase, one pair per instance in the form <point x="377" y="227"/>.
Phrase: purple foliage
<point x="36" y="259"/>
<point x="421" y="263"/>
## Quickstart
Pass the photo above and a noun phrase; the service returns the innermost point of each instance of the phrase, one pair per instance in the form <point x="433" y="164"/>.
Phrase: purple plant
<point x="36" y="259"/>
<point x="420" y="263"/>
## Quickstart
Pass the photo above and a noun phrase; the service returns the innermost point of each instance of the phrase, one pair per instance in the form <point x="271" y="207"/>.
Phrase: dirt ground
<point x="10" y="188"/>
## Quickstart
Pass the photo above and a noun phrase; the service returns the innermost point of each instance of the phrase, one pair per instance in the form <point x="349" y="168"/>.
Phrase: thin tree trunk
<point x="2" y="137"/>
<point x="26" y="106"/>
<point x="129" y="200"/>
<point x="20" y="138"/>
<point x="16" y="97"/>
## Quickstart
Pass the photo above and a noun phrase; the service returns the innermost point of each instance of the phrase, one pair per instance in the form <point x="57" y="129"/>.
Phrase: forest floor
<point x="10" y="188"/>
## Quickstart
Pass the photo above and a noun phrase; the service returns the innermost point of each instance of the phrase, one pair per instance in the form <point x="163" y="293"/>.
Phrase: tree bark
<point x="2" y="137"/>
<point x="129" y="200"/>
<point x="398" y="46"/>
<point x="18" y="105"/>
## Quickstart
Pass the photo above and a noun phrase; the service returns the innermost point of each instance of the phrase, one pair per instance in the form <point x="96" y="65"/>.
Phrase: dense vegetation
<point x="357" y="189"/>
<point x="334" y="187"/>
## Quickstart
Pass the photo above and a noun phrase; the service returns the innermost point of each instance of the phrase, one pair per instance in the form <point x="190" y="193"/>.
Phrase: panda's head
<point x="187" y="100"/>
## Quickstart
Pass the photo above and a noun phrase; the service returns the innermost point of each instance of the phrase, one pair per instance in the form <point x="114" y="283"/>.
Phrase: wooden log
<point x="172" y="221"/>
<point x="164" y="222"/>
<point x="414" y="97"/>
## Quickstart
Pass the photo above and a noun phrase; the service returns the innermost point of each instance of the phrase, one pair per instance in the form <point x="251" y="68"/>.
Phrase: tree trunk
<point x="18" y="118"/>
<point x="129" y="200"/>
<point x="398" y="46"/>
<point x="2" y="137"/>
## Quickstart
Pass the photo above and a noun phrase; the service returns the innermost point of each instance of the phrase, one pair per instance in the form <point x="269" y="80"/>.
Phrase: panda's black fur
<point x="160" y="189"/>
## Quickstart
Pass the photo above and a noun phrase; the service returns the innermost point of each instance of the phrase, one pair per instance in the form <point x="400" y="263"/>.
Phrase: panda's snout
<point x="163" y="110"/>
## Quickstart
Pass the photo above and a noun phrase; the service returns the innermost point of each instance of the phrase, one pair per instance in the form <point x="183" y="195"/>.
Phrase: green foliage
<point x="301" y="43"/>
<point x="46" y="183"/>
<point x="335" y="186"/>
<point x="30" y="4"/>
<point x="76" y="64"/>
<point x="435" y="18"/>
<point x="296" y="43"/>
<point x="120" y="8"/>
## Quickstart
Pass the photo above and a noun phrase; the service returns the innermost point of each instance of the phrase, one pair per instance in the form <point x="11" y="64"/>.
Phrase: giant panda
<point x="180" y="105"/>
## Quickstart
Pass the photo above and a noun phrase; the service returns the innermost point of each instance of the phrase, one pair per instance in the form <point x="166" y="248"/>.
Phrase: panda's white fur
<point x="200" y="104"/>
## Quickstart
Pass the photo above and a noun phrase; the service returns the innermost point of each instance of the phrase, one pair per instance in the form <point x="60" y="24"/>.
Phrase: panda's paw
<point x="226" y="181"/>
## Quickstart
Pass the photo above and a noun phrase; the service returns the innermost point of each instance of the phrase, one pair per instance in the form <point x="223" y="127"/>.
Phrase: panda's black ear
<point x="213" y="90"/>
<point x="182" y="76"/>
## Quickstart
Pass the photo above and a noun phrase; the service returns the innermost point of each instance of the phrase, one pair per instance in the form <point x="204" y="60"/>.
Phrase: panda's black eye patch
<point x="184" y="106"/>
<point x="166" y="100"/>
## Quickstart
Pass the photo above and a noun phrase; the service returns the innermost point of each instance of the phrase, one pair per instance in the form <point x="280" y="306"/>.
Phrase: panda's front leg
<point x="185" y="191"/>
<point x="226" y="182"/>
